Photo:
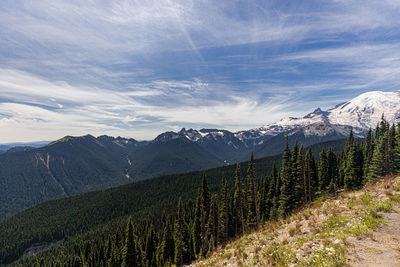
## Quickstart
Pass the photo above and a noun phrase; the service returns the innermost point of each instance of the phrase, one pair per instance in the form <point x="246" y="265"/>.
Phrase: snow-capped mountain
<point x="365" y="111"/>
<point x="357" y="115"/>
<point x="361" y="113"/>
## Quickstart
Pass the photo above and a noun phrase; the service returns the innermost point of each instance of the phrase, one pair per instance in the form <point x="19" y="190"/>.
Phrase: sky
<point x="139" y="68"/>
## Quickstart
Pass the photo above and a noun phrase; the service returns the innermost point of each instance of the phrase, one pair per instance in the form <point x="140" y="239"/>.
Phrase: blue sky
<point x="138" y="68"/>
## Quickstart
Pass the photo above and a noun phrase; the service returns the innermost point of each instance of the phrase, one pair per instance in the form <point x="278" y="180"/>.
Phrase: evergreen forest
<point x="220" y="212"/>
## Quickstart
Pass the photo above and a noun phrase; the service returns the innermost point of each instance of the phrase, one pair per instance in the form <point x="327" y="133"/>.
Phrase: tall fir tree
<point x="311" y="175"/>
<point x="332" y="171"/>
<point x="168" y="245"/>
<point x="286" y="198"/>
<point x="238" y="203"/>
<point x="109" y="249"/>
<point x="377" y="168"/>
<point x="275" y="201"/>
<point x="223" y="221"/>
<point x="181" y="246"/>
<point x="204" y="211"/>
<point x="150" y="247"/>
<point x="368" y="150"/>
<point x="212" y="225"/>
<point x="353" y="172"/>
<point x="271" y="192"/>
<point x="296" y="174"/>
<point x="299" y="179"/>
<point x="390" y="149"/>
<point x="397" y="150"/>
<point x="293" y="160"/>
<point x="262" y="195"/>
<point x="323" y="172"/>
<point x="349" y="143"/>
<point x="252" y="207"/>
<point x="130" y="253"/>
<point x="196" y="229"/>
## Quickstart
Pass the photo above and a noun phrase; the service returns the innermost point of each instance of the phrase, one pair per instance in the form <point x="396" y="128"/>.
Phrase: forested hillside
<point x="69" y="166"/>
<point x="212" y="219"/>
<point x="68" y="217"/>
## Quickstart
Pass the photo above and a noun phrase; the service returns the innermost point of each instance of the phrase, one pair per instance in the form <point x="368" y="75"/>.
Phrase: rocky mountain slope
<point x="357" y="115"/>
<point x="66" y="167"/>
<point x="358" y="228"/>
<point x="361" y="113"/>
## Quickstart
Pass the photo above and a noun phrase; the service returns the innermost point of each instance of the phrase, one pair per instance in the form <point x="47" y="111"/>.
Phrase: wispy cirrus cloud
<point x="47" y="109"/>
<point x="137" y="68"/>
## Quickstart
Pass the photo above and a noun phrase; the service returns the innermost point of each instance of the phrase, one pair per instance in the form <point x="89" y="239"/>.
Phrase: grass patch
<point x="334" y="222"/>
<point x="279" y="255"/>
<point x="227" y="256"/>
<point x="319" y="201"/>
<point x="295" y="230"/>
<point x="366" y="199"/>
<point x="307" y="214"/>
<point x="395" y="198"/>
<point x="385" y="206"/>
<point x="353" y="202"/>
<point x="327" y="256"/>
<point x="363" y="227"/>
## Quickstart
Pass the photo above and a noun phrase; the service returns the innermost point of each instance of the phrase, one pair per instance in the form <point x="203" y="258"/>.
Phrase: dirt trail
<point x="357" y="228"/>
<point x="382" y="248"/>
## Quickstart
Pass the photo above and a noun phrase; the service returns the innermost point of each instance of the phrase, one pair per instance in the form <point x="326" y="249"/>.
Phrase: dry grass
<point x="315" y="236"/>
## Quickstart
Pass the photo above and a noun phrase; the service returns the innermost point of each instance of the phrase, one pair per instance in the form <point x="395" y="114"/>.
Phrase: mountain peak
<point x="361" y="113"/>
<point x="365" y="110"/>
<point x="167" y="136"/>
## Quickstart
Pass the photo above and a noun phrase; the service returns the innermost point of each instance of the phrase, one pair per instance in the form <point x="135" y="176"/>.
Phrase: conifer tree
<point x="323" y="172"/>
<point x="179" y="237"/>
<point x="196" y="231"/>
<point x="212" y="245"/>
<point x="204" y="211"/>
<point x="252" y="209"/>
<point x="353" y="172"/>
<point x="301" y="183"/>
<point x="311" y="175"/>
<point x="332" y="171"/>
<point x="271" y="192"/>
<point x="238" y="203"/>
<point x="349" y="143"/>
<point x="294" y="162"/>
<point x="223" y="221"/>
<point x="397" y="150"/>
<point x="390" y="149"/>
<point x="260" y="186"/>
<point x="150" y="247"/>
<point x="368" y="150"/>
<point x="297" y="172"/>
<point x="212" y="225"/>
<point x="275" y="200"/>
<point x="130" y="253"/>
<point x="377" y="166"/>
<point x="384" y="125"/>
<point x="286" y="197"/>
<point x="109" y="249"/>
<point x="168" y="243"/>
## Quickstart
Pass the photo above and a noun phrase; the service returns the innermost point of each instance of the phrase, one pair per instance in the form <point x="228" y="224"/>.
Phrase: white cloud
<point x="47" y="109"/>
<point x="77" y="67"/>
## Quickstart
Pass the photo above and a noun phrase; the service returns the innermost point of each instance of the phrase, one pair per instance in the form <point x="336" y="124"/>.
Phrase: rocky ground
<point x="357" y="228"/>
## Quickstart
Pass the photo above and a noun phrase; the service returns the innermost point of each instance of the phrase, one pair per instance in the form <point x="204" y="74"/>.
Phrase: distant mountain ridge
<point x="73" y="165"/>
<point x="357" y="115"/>
<point x="361" y="113"/>
<point x="10" y="146"/>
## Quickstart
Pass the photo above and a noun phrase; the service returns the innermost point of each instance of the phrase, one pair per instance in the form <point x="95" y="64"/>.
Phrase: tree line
<point x="198" y="227"/>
